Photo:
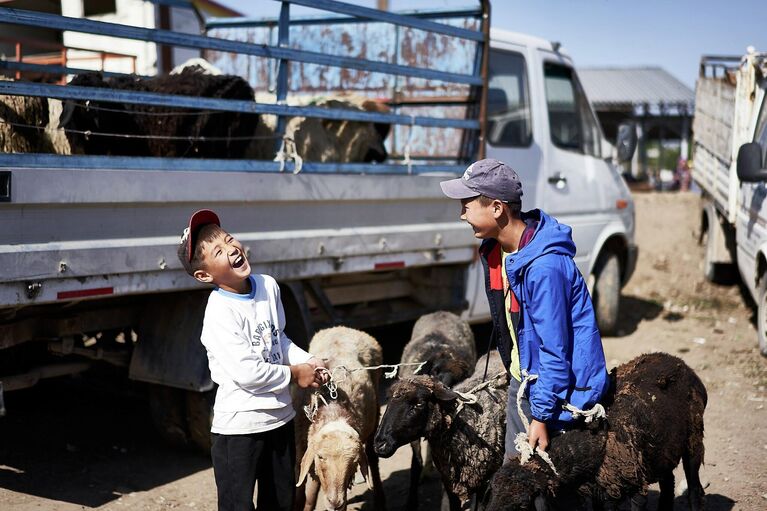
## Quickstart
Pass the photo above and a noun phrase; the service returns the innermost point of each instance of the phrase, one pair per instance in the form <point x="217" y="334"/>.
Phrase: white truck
<point x="730" y="133"/>
<point x="88" y="243"/>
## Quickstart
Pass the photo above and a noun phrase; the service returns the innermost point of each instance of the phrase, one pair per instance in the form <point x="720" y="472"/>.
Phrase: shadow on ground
<point x="634" y="310"/>
<point x="62" y="438"/>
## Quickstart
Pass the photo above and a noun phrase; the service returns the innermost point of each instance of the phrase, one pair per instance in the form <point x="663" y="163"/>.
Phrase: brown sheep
<point x="340" y="436"/>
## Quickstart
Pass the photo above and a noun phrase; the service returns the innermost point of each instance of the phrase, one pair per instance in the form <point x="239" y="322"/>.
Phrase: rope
<point x="596" y="412"/>
<point x="287" y="152"/>
<point x="333" y="381"/>
<point x="469" y="398"/>
<point x="521" y="441"/>
<point x="89" y="133"/>
<point x="407" y="161"/>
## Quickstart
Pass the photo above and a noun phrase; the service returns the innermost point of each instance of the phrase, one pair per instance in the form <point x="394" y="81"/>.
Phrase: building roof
<point x="652" y="86"/>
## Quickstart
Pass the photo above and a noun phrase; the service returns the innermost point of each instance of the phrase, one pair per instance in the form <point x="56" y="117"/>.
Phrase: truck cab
<point x="541" y="123"/>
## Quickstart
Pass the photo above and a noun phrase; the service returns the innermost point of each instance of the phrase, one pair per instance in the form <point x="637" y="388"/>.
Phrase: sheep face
<point x="411" y="413"/>
<point x="334" y="451"/>
<point x="516" y="488"/>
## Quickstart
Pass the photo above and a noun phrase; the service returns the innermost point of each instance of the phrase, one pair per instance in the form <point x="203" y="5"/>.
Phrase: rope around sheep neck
<point x="521" y="442"/>
<point x="333" y="381"/>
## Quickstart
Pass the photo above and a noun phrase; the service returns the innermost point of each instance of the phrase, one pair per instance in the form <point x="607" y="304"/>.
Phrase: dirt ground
<point x="88" y="443"/>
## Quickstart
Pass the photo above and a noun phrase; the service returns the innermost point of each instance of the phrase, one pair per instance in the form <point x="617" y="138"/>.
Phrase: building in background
<point x="102" y="53"/>
<point x="661" y="106"/>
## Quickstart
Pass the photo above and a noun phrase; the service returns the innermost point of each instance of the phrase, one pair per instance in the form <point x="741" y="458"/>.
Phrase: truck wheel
<point x="761" y="316"/>
<point x="607" y="293"/>
<point x="199" y="414"/>
<point x="718" y="273"/>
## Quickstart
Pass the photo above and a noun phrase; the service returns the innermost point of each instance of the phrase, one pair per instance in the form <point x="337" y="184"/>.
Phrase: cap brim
<point x="199" y="218"/>
<point x="457" y="189"/>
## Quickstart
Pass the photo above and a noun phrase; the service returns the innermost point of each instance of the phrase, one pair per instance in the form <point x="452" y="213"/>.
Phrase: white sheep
<point x="340" y="436"/>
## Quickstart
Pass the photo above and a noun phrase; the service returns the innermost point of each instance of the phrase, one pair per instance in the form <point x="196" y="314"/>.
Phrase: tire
<point x="717" y="273"/>
<point x="607" y="293"/>
<point x="761" y="316"/>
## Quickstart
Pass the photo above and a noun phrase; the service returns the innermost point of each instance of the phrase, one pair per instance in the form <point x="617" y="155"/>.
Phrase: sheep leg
<point x="378" y="492"/>
<point x="666" y="499"/>
<point x="692" y="458"/>
<point x="451" y="501"/>
<point x="691" y="464"/>
<point x="416" y="464"/>
<point x="639" y="501"/>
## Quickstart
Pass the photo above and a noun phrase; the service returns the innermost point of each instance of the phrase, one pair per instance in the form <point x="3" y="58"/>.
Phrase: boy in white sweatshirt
<point x="253" y="362"/>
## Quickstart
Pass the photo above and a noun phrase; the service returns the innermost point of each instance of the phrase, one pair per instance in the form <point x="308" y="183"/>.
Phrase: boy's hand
<point x="303" y="375"/>
<point x="321" y="376"/>
<point x="538" y="434"/>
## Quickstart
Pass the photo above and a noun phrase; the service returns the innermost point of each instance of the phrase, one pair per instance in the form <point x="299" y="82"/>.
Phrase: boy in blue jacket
<point x="542" y="313"/>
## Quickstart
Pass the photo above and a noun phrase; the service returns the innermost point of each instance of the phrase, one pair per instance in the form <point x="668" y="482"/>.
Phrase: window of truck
<point x="508" y="103"/>
<point x="761" y="129"/>
<point x="571" y="122"/>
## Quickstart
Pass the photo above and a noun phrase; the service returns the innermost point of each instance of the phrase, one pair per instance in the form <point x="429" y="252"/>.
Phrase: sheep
<point x="654" y="420"/>
<point x="340" y="436"/>
<point x="445" y="343"/>
<point x="328" y="140"/>
<point x="22" y="123"/>
<point x="466" y="439"/>
<point x="155" y="122"/>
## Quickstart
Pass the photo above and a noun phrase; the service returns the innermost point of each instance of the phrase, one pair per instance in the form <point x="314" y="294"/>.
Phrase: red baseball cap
<point x="198" y="219"/>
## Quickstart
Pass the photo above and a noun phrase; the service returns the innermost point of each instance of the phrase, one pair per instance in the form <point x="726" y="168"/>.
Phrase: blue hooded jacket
<point x="558" y="335"/>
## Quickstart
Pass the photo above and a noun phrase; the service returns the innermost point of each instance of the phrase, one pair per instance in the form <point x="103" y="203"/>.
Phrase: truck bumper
<point x="631" y="262"/>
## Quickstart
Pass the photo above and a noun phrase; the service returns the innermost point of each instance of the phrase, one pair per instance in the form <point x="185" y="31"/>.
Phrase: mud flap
<point x="168" y="350"/>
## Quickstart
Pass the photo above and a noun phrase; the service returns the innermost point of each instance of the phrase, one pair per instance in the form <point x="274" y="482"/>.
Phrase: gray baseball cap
<point x="489" y="177"/>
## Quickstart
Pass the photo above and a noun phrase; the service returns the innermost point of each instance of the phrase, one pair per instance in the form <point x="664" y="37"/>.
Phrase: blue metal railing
<point x="281" y="53"/>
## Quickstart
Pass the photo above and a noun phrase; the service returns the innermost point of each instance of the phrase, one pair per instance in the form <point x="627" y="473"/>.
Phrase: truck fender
<point x="612" y="238"/>
<point x="168" y="350"/>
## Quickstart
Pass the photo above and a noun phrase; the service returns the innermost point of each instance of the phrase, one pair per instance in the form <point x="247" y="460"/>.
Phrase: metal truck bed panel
<point x="713" y="175"/>
<point x="76" y="231"/>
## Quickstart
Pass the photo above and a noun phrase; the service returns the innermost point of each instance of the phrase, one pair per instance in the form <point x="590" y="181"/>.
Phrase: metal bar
<point x="52" y="69"/>
<point x="326" y="20"/>
<point x="389" y="17"/>
<point x="40" y="19"/>
<point x="22" y="161"/>
<point x="283" y="41"/>
<point x="227" y="105"/>
<point x="181" y="4"/>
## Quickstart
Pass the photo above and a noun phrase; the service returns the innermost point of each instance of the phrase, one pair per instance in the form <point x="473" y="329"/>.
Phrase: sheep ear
<point x="306" y="464"/>
<point x="367" y="475"/>
<point x="443" y="393"/>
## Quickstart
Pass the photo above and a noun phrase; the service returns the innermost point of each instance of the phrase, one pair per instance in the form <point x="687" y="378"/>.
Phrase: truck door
<point x="751" y="229"/>
<point x="509" y="139"/>
<point x="571" y="191"/>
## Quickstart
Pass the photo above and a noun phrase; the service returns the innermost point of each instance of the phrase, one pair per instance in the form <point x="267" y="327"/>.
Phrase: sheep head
<point x="334" y="450"/>
<point x="412" y="412"/>
<point x="518" y="488"/>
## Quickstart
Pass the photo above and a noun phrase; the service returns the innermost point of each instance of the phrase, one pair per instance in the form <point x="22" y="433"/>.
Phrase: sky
<point x="672" y="34"/>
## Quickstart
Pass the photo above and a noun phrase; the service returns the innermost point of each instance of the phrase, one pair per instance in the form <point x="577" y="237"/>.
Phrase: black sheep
<point x="467" y="440"/>
<point x="155" y="122"/>
<point x="446" y="344"/>
<point x="655" y="419"/>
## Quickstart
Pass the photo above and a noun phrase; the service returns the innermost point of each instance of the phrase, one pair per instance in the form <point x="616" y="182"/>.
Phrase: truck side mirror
<point x="626" y="141"/>
<point x="750" y="163"/>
